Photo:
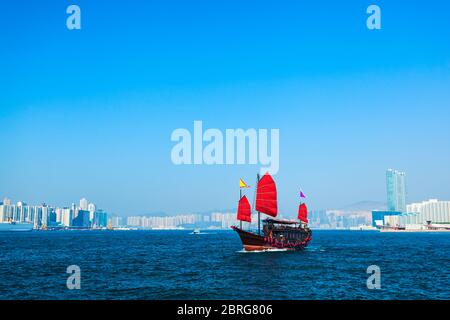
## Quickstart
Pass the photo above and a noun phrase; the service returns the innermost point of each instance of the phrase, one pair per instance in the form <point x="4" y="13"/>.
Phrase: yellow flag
<point x="242" y="184"/>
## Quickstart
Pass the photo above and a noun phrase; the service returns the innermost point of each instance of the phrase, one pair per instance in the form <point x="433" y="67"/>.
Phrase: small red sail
<point x="266" y="196"/>
<point x="303" y="213"/>
<point x="244" y="210"/>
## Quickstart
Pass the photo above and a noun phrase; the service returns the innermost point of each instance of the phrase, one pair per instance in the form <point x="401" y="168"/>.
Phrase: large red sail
<point x="244" y="210"/>
<point x="266" y="196"/>
<point x="303" y="213"/>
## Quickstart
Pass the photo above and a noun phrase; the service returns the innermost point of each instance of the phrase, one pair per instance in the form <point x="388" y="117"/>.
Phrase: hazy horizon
<point x="90" y="112"/>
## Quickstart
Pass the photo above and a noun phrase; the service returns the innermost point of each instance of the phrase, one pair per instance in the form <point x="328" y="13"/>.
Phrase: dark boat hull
<point x="254" y="242"/>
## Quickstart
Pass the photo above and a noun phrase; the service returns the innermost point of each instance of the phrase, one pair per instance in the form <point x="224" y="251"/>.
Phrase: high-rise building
<point x="82" y="219"/>
<point x="52" y="217"/>
<point x="66" y="217"/>
<point x="45" y="215"/>
<point x="100" y="219"/>
<point x="3" y="213"/>
<point x="396" y="190"/>
<point x="91" y="209"/>
<point x="83" y="204"/>
<point x="116" y="221"/>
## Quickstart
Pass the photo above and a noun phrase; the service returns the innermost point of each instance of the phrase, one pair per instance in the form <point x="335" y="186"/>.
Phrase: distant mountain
<point x="365" y="206"/>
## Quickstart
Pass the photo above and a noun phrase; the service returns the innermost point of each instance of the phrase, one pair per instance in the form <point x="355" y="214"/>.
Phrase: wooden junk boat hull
<point x="254" y="242"/>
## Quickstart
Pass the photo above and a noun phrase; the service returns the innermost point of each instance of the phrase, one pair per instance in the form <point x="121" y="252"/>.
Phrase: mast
<point x="259" y="215"/>
<point x="300" y="221"/>
<point x="240" y="196"/>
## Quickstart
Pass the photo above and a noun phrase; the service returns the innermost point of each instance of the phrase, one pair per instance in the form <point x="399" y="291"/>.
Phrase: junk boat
<point x="276" y="233"/>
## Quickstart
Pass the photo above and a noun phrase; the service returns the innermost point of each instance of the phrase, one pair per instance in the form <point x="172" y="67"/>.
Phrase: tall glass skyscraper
<point x="396" y="190"/>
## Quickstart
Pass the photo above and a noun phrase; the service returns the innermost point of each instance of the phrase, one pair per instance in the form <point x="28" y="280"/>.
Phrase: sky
<point x="90" y="112"/>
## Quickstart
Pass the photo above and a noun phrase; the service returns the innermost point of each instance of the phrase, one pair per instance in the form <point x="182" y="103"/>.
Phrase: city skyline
<point x="361" y="215"/>
<point x="144" y="212"/>
<point x="43" y="216"/>
<point x="91" y="111"/>
<point x="396" y="201"/>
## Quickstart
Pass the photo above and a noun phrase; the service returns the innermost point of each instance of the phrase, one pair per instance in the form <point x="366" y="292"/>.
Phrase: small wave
<point x="262" y="251"/>
<point x="315" y="248"/>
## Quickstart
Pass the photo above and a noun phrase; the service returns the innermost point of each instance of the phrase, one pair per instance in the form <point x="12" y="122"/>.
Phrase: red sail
<point x="244" y="210"/>
<point x="266" y="196"/>
<point x="303" y="213"/>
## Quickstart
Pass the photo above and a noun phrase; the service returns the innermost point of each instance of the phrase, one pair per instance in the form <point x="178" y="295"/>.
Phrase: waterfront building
<point x="100" y="219"/>
<point x="420" y="214"/>
<point x="379" y="217"/>
<point x="4" y="212"/>
<point x="51" y="217"/>
<point x="36" y="216"/>
<point x="116" y="221"/>
<point x="66" y="217"/>
<point x="396" y="190"/>
<point x="392" y="221"/>
<point x="58" y="214"/>
<point x="82" y="219"/>
<point x="432" y="210"/>
<point x="45" y="215"/>
<point x="21" y="214"/>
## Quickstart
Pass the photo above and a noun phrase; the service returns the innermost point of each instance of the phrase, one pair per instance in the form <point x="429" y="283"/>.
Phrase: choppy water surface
<point x="180" y="265"/>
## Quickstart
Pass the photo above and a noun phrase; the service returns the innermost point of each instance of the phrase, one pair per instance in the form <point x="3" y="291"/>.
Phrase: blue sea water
<point x="180" y="265"/>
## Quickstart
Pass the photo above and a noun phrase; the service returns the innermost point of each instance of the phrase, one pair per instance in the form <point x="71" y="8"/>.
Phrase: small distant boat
<point x="196" y="231"/>
<point x="16" y="226"/>
<point x="276" y="234"/>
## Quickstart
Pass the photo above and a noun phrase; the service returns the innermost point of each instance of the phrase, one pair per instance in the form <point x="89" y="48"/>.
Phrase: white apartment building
<point x="432" y="210"/>
<point x="419" y="213"/>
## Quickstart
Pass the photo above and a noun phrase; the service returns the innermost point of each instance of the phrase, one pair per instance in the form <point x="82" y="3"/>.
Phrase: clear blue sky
<point x="89" y="113"/>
